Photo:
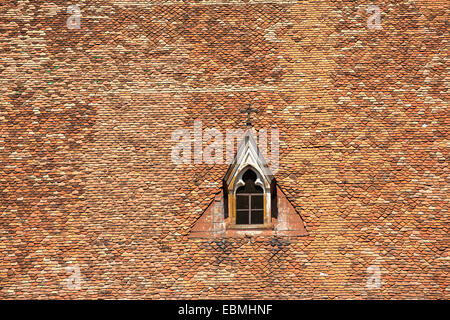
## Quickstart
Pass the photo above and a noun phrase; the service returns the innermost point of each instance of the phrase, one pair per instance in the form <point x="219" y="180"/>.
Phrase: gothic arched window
<point x="248" y="188"/>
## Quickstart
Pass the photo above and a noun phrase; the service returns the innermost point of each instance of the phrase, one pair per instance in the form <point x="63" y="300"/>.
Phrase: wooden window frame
<point x="250" y="209"/>
<point x="267" y="217"/>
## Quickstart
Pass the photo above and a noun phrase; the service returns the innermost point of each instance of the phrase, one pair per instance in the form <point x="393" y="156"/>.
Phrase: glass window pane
<point x="257" y="201"/>
<point x="257" y="217"/>
<point x="242" y="217"/>
<point x="241" y="202"/>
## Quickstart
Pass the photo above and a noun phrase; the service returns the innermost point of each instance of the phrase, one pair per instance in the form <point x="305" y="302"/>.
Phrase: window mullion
<point x="250" y="209"/>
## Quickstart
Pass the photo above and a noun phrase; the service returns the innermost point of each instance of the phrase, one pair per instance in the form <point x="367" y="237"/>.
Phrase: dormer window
<point x="250" y="202"/>
<point x="248" y="185"/>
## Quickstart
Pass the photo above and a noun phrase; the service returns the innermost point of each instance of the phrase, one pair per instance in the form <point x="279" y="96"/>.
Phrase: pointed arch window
<point x="249" y="199"/>
<point x="248" y="189"/>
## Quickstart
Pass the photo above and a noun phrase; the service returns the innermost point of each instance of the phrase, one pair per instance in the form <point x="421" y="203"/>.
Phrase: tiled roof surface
<point x="86" y="173"/>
